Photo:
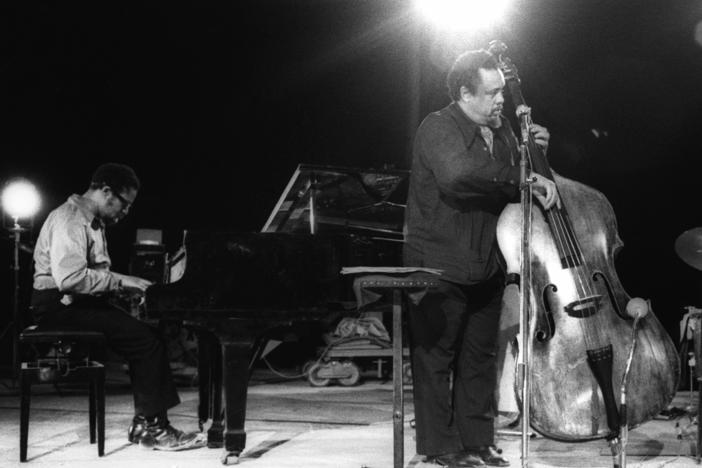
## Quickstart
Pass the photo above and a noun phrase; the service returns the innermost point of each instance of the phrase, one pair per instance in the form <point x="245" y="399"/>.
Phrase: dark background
<point x="215" y="103"/>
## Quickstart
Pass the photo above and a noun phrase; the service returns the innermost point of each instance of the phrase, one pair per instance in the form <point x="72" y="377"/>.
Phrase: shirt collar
<point x="88" y="208"/>
<point x="469" y="127"/>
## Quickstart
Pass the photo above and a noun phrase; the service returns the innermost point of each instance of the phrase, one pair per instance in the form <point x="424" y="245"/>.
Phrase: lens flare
<point x="462" y="15"/>
<point x="20" y="199"/>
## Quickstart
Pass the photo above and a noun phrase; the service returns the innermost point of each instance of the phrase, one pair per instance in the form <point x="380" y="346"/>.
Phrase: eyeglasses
<point x="126" y="204"/>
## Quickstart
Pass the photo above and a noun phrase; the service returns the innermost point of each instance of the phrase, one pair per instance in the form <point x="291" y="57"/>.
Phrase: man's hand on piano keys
<point x="131" y="295"/>
<point x="133" y="283"/>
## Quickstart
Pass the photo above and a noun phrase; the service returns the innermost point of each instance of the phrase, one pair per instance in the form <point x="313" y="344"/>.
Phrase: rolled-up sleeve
<point x="69" y="262"/>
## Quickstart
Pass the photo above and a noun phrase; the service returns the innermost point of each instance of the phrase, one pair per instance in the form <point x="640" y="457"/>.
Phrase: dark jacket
<point x="456" y="194"/>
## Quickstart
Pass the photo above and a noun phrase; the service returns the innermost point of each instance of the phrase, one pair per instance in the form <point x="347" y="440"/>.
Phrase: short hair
<point x="119" y="177"/>
<point x="464" y="71"/>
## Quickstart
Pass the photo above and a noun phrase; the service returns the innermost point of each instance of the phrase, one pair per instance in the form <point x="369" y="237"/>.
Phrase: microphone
<point x="637" y="308"/>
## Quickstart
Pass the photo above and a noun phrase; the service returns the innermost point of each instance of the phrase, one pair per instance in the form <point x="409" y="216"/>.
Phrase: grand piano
<point x="234" y="288"/>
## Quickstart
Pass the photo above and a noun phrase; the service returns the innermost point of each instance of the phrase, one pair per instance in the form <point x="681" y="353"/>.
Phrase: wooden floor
<point x="290" y="424"/>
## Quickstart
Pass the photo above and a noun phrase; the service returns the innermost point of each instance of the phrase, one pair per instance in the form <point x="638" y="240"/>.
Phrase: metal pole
<point x="623" y="408"/>
<point x="313" y="190"/>
<point x="415" y="80"/>
<point x="524" y="115"/>
<point x="16" y="319"/>
<point x="397" y="395"/>
<point x="524" y="281"/>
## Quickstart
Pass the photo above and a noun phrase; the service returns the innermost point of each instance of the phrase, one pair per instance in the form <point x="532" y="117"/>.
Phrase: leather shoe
<point x="490" y="455"/>
<point x="457" y="460"/>
<point x="160" y="435"/>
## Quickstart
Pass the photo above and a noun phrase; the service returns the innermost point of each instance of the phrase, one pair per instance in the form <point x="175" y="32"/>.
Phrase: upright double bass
<point x="580" y="333"/>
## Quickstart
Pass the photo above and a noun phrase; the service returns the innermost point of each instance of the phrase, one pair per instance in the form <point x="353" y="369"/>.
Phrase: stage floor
<point x="290" y="424"/>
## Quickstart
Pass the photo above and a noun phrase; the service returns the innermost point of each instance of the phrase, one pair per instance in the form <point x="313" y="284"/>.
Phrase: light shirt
<point x="488" y="136"/>
<point x="71" y="251"/>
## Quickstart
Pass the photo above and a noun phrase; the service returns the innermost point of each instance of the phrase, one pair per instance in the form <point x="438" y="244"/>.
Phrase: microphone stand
<point x="497" y="48"/>
<point x="624" y="424"/>
<point x="523" y="371"/>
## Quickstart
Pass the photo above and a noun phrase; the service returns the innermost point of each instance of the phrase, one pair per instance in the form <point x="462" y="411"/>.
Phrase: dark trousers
<point x="454" y="330"/>
<point x="142" y="347"/>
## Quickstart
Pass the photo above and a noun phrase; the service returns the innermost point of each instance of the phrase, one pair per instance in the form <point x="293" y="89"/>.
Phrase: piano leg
<point x="236" y="354"/>
<point x="210" y="406"/>
<point x="215" y="438"/>
<point x="204" y="372"/>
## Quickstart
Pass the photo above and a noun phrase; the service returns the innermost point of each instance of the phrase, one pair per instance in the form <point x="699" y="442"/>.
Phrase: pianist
<point x="72" y="284"/>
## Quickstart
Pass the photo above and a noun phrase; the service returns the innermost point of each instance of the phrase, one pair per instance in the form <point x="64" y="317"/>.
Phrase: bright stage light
<point x="462" y="15"/>
<point x="20" y="199"/>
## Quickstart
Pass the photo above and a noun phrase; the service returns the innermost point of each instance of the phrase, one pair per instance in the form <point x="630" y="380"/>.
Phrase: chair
<point x="58" y="366"/>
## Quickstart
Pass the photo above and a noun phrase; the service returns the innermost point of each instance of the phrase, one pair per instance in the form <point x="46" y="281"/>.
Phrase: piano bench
<point x="61" y="365"/>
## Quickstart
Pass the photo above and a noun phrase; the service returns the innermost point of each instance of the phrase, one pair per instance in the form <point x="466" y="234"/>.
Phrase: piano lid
<point x="341" y="199"/>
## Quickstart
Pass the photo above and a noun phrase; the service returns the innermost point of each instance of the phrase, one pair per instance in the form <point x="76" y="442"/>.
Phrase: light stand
<point x="19" y="200"/>
<point x="16" y="324"/>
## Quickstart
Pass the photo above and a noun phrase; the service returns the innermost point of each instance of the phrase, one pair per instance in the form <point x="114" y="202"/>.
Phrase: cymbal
<point x="688" y="246"/>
